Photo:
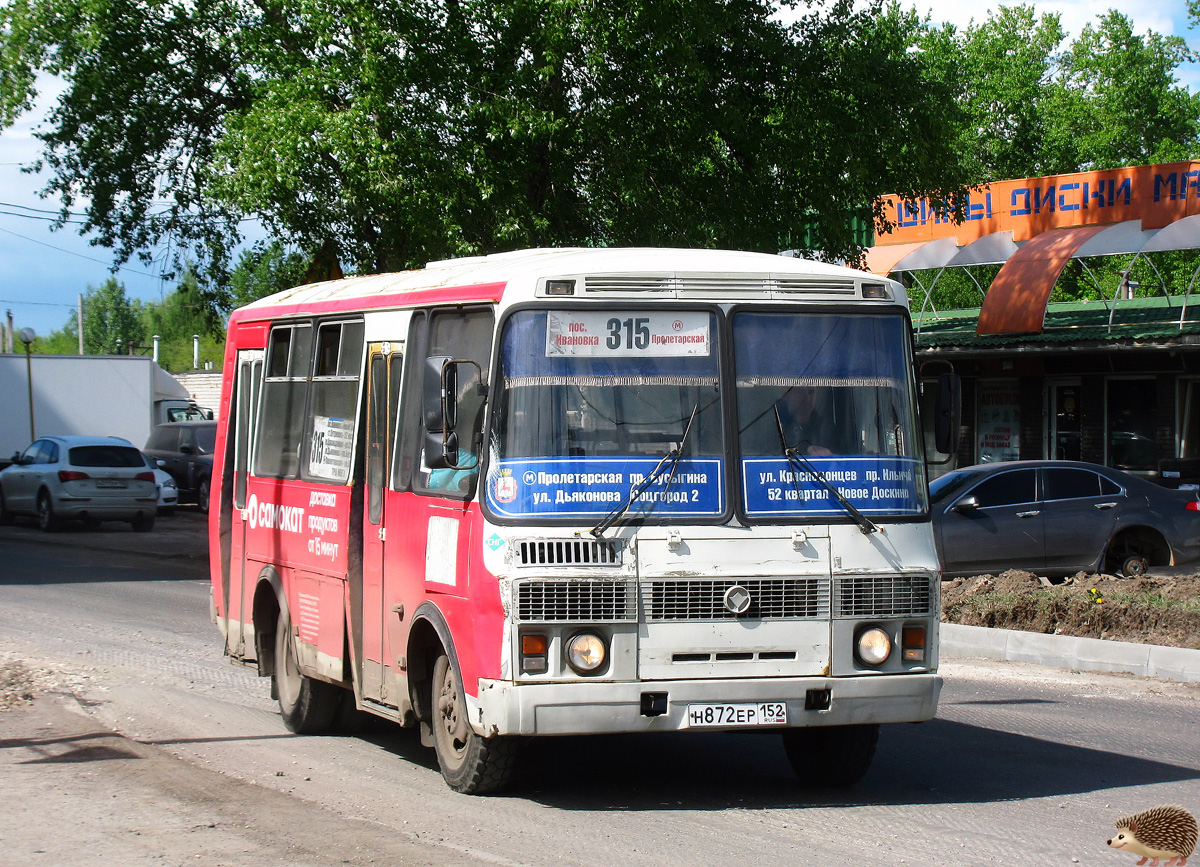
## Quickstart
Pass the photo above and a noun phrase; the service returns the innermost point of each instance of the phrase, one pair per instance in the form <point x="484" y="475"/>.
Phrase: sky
<point x="42" y="272"/>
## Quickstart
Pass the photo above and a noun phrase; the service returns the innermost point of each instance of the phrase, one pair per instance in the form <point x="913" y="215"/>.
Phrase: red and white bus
<point x="579" y="491"/>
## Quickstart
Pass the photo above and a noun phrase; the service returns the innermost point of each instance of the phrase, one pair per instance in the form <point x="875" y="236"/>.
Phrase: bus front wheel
<point x="831" y="756"/>
<point x="470" y="764"/>
<point x="307" y="705"/>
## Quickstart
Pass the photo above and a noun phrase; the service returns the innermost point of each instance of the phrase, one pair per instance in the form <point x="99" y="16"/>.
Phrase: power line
<point x="80" y="255"/>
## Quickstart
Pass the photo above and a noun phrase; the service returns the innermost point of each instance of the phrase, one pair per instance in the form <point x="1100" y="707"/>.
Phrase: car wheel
<point x="1134" y="566"/>
<point x="46" y="518"/>
<point x="202" y="496"/>
<point x="470" y="764"/>
<point x="143" y="523"/>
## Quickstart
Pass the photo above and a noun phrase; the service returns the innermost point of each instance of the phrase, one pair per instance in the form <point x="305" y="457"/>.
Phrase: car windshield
<point x="105" y="456"/>
<point x="944" y="486"/>
<point x="592" y="403"/>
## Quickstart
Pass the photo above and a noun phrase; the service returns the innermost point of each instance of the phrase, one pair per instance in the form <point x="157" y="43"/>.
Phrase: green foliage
<point x="1036" y="107"/>
<point x="421" y="129"/>
<point x="264" y="270"/>
<point x="110" y="320"/>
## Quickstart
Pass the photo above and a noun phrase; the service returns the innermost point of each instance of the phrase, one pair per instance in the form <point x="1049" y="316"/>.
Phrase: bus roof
<point x="642" y="270"/>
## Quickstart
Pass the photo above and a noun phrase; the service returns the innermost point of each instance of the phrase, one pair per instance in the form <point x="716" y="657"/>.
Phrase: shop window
<point x="1130" y="429"/>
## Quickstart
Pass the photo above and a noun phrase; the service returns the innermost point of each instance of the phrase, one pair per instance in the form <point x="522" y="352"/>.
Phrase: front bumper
<point x="593" y="707"/>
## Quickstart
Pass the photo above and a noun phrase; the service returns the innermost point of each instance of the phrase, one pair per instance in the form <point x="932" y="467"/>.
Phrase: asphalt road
<point x="168" y="754"/>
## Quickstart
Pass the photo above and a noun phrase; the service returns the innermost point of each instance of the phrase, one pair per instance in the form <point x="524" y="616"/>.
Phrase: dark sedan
<point x="1060" y="517"/>
<point x="185" y="450"/>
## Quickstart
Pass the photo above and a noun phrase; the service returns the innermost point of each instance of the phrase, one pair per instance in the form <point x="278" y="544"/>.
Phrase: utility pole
<point x="79" y="322"/>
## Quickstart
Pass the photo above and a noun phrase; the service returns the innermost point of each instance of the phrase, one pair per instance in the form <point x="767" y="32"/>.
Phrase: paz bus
<point x="569" y="491"/>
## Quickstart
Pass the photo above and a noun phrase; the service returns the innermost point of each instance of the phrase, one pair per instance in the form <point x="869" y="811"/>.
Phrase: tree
<point x="110" y="320"/>
<point x="1109" y="99"/>
<point x="1117" y="101"/>
<point x="1002" y="70"/>
<point x="420" y="129"/>
<point x="263" y="270"/>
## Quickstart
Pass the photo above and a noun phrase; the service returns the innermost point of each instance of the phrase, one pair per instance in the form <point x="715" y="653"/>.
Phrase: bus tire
<point x="831" y="756"/>
<point x="470" y="764"/>
<point x="307" y="705"/>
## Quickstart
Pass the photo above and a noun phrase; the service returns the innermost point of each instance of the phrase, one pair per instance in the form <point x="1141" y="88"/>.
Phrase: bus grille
<point x="704" y="599"/>
<point x="555" y="601"/>
<point x="891" y="596"/>
<point x="569" y="552"/>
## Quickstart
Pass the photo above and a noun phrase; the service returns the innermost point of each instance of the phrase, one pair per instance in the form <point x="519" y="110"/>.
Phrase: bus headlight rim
<point x="873" y="646"/>
<point x="586" y="652"/>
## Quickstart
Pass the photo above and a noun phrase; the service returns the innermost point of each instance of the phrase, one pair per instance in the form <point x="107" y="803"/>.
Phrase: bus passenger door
<point x="245" y="423"/>
<point x="370" y="614"/>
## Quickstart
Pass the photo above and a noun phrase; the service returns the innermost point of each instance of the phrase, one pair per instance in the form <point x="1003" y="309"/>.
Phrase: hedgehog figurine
<point x="1166" y="832"/>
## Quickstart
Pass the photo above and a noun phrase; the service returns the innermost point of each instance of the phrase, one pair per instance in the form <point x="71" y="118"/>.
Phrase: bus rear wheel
<point x="831" y="756"/>
<point x="470" y="764"/>
<point x="307" y="705"/>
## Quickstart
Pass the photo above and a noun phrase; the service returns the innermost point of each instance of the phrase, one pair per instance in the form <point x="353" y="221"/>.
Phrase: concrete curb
<point x="1065" y="651"/>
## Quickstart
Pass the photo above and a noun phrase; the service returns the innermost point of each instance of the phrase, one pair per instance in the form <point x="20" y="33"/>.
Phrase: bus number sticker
<point x="329" y="456"/>
<point x="628" y="334"/>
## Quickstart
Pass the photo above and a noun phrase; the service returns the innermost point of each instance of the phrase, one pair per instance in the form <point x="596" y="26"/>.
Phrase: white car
<point x="168" y="491"/>
<point x="90" y="479"/>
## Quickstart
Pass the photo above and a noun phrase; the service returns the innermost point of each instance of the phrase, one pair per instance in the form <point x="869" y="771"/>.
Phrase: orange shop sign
<point x="1156" y="195"/>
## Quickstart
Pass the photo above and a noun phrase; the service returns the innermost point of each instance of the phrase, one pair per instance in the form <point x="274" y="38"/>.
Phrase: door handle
<point x="1106" y="505"/>
<point x="1030" y="514"/>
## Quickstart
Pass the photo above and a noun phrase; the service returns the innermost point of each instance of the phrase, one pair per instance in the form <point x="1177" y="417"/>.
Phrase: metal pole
<point x="79" y="322"/>
<point x="29" y="375"/>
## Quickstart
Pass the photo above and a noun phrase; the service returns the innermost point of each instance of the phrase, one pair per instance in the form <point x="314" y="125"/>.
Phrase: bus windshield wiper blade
<point x="795" y="459"/>
<point x="668" y="463"/>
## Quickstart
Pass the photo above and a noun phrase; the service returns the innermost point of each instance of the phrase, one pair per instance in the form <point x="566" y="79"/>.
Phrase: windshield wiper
<point x="795" y="459"/>
<point x="668" y="463"/>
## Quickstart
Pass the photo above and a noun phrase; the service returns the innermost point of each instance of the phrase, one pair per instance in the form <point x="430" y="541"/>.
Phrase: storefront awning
<point x="994" y="249"/>
<point x="916" y="256"/>
<point x="1016" y="301"/>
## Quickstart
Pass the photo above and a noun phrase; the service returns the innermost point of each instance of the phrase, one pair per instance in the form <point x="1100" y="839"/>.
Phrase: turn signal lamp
<point x="912" y="644"/>
<point x="533" y="653"/>
<point x="874" y="290"/>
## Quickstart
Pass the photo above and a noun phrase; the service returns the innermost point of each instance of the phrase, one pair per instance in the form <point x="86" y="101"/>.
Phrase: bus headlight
<point x="873" y="646"/>
<point x="586" y="652"/>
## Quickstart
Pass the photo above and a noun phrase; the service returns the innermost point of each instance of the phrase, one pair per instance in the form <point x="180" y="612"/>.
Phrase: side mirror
<point x="440" y="408"/>
<point x="947" y="420"/>
<point x="441" y="382"/>
<point x="16" y="458"/>
<point x="966" y="504"/>
<point x="185" y="450"/>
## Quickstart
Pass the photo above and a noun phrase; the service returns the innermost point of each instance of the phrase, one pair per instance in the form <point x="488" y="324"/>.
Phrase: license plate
<point x="768" y="713"/>
<point x="110" y="483"/>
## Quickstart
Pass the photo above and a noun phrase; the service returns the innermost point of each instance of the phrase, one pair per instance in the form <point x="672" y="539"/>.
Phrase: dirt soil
<point x="1152" y="609"/>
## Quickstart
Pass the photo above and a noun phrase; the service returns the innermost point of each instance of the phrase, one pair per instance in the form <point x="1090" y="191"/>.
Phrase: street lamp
<point x="28" y="335"/>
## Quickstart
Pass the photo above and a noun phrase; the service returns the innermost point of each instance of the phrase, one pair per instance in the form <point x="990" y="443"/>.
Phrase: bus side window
<point x="458" y="334"/>
<point x="329" y="426"/>
<point x="283" y="399"/>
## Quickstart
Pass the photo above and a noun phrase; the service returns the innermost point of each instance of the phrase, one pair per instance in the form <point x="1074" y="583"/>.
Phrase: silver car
<point x="168" y="491"/>
<point x="1057" y="518"/>
<point x="93" y="479"/>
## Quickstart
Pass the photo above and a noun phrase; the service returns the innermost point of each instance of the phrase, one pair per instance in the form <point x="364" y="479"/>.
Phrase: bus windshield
<point x="833" y="389"/>
<point x="590" y="403"/>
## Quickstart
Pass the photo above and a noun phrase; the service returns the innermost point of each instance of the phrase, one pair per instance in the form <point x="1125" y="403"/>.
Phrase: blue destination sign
<point x="593" y="487"/>
<point x="771" y="487"/>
